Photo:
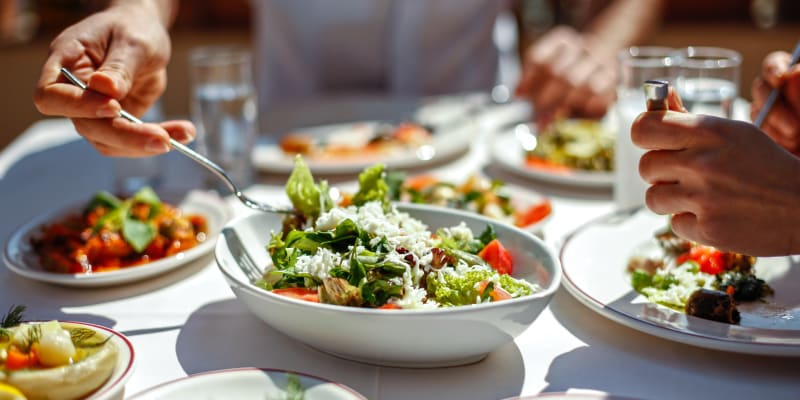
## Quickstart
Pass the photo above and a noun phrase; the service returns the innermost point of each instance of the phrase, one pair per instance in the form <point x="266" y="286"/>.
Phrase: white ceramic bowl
<point x="404" y="338"/>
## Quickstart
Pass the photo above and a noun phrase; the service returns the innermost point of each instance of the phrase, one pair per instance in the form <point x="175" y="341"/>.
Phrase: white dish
<point x="446" y="142"/>
<point x="450" y="336"/>
<point x="21" y="259"/>
<point x="508" y="153"/>
<point x="246" y="383"/>
<point x="114" y="386"/>
<point x="594" y="259"/>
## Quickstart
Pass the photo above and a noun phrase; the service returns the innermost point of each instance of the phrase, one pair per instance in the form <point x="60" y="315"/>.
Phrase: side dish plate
<point x="594" y="260"/>
<point x="20" y="257"/>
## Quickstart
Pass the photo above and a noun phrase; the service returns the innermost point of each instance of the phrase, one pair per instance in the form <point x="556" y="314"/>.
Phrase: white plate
<point x="21" y="259"/>
<point x="246" y="383"/>
<point x="114" y="386"/>
<point x="594" y="260"/>
<point x="446" y="141"/>
<point x="507" y="152"/>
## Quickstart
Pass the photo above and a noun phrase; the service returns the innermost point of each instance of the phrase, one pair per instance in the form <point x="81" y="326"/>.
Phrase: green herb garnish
<point x="137" y="232"/>
<point x="12" y="318"/>
<point x="294" y="389"/>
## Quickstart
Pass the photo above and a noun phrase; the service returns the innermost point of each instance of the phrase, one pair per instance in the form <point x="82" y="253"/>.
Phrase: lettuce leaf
<point x="307" y="197"/>
<point x="372" y="186"/>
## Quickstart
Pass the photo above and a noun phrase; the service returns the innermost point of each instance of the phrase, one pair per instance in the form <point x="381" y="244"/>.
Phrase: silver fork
<point x="197" y="157"/>
<point x="239" y="253"/>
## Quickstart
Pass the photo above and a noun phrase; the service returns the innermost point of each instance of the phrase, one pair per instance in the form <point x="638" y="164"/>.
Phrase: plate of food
<point x="629" y="267"/>
<point x="250" y="383"/>
<point x="491" y="198"/>
<point x="62" y="360"/>
<point x="108" y="240"/>
<point x="350" y="147"/>
<point x="466" y="283"/>
<point x="572" y="152"/>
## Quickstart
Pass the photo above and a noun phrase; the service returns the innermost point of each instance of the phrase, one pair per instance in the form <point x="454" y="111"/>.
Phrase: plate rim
<point x="658" y="330"/>
<point x="576" y="178"/>
<point x="237" y="370"/>
<point x="125" y="275"/>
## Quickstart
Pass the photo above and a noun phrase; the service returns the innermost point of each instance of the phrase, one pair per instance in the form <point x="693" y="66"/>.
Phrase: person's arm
<point x="726" y="183"/>
<point x="121" y="53"/>
<point x="573" y="73"/>
<point x="783" y="121"/>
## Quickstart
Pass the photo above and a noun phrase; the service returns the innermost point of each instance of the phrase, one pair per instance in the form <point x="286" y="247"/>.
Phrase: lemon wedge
<point x="8" y="392"/>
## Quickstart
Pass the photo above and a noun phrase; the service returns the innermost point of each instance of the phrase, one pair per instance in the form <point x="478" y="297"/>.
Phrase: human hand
<point x="566" y="74"/>
<point x="783" y="121"/>
<point x="725" y="182"/>
<point x="122" y="54"/>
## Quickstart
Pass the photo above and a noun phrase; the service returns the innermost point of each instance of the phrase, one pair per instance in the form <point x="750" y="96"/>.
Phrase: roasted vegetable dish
<point x="111" y="233"/>
<point x="699" y="280"/>
<point x="573" y="144"/>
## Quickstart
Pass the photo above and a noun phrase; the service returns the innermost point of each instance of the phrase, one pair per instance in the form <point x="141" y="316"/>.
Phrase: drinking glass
<point x="636" y="65"/>
<point x="224" y="110"/>
<point x="707" y="79"/>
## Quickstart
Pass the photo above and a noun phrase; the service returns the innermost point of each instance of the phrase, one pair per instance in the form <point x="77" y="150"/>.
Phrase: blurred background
<point x="752" y="27"/>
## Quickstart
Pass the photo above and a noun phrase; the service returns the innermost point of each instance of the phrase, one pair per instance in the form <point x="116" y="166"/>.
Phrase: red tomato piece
<point x="534" y="214"/>
<point x="299" y="293"/>
<point x="497" y="257"/>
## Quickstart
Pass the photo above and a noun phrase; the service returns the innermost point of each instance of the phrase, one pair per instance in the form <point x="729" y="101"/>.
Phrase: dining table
<point x="188" y="321"/>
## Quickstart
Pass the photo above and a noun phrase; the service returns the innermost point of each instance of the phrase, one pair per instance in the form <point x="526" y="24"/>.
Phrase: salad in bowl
<point x="329" y="274"/>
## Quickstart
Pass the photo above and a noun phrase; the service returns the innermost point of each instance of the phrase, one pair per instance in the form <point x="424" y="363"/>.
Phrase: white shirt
<point x="311" y="48"/>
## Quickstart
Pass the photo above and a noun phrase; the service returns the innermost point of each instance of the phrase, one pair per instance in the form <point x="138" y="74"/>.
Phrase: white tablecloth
<point x="188" y="321"/>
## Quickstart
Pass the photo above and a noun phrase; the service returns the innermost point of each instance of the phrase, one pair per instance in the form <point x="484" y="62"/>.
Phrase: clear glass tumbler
<point x="707" y="79"/>
<point x="637" y="64"/>
<point x="225" y="111"/>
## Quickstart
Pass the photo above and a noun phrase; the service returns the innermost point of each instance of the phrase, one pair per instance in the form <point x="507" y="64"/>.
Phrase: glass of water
<point x="224" y="110"/>
<point x="707" y="79"/>
<point x="636" y="65"/>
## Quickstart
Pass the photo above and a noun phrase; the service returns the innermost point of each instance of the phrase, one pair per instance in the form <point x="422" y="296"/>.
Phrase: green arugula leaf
<point x="137" y="233"/>
<point x="487" y="235"/>
<point x="394" y="181"/>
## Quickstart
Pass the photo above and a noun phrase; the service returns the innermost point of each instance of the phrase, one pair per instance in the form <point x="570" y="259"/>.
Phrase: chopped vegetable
<point x="498" y="257"/>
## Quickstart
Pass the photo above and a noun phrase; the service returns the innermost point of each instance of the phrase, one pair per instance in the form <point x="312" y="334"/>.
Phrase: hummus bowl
<point x="103" y="363"/>
<point x="419" y="338"/>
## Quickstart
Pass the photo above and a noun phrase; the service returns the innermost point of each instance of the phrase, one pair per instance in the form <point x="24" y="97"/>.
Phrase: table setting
<point x="201" y="321"/>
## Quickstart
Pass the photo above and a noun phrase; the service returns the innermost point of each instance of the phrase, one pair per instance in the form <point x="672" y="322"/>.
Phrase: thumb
<point x="115" y="76"/>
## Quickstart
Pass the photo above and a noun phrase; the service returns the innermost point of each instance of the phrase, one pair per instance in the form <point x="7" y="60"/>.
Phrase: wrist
<point x="163" y="10"/>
